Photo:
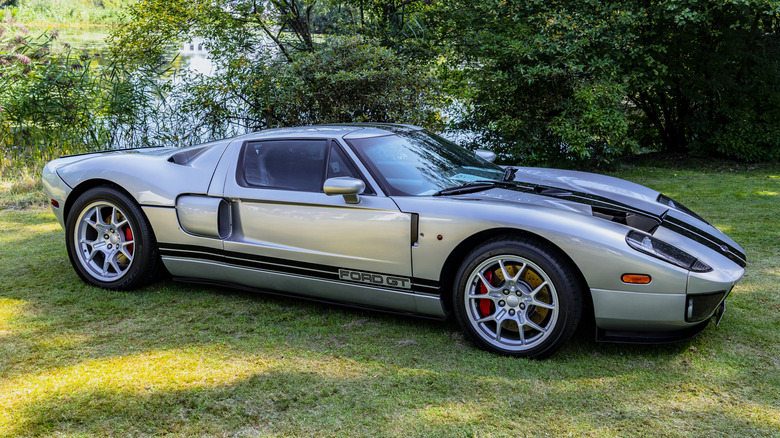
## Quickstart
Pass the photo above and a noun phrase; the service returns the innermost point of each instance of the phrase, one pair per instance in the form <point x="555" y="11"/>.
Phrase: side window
<point x="284" y="164"/>
<point x="340" y="165"/>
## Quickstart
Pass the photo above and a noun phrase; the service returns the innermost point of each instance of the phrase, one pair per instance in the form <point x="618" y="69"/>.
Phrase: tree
<point x="532" y="79"/>
<point x="573" y="80"/>
<point x="54" y="101"/>
<point x="706" y="77"/>
<point x="271" y="72"/>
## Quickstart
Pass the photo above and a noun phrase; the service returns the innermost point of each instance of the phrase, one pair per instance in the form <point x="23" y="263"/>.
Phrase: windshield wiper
<point x="471" y="187"/>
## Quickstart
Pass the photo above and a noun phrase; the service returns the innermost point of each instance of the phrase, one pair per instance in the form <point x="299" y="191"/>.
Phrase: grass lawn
<point x="177" y="359"/>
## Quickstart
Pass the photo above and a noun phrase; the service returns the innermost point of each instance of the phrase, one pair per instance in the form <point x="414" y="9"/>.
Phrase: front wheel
<point x="110" y="242"/>
<point x="517" y="297"/>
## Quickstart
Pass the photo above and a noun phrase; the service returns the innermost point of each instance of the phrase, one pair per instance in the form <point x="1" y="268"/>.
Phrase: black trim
<point x="704" y="305"/>
<point x="187" y="155"/>
<point x="663" y="199"/>
<point x="303" y="269"/>
<point x="637" y="337"/>
<point x="415" y="228"/>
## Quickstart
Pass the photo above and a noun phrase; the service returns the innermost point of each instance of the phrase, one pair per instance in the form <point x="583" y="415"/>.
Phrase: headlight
<point x="658" y="248"/>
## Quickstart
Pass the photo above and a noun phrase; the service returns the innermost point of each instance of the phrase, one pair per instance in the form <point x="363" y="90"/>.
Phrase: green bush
<point x="54" y="101"/>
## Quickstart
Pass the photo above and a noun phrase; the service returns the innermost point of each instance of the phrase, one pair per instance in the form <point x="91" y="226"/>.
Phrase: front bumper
<point x="56" y="190"/>
<point x="636" y="311"/>
<point x="667" y="337"/>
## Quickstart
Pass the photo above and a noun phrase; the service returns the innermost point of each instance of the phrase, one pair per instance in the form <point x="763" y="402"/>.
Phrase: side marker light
<point x="636" y="278"/>
<point x="55" y="204"/>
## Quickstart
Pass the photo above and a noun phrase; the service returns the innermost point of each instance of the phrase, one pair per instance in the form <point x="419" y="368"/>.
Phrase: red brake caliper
<point x="485" y="306"/>
<point x="129" y="237"/>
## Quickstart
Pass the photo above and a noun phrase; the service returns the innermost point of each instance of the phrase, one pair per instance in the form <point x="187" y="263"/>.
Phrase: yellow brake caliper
<point x="538" y="314"/>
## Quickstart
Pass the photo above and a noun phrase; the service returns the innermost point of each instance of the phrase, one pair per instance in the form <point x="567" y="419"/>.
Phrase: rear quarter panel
<point x="149" y="178"/>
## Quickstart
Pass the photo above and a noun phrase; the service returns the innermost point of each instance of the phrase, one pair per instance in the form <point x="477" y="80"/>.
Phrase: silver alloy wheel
<point x="511" y="303"/>
<point x="104" y="240"/>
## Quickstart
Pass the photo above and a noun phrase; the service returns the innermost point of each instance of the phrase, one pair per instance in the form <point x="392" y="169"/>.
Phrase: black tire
<point x="533" y="313"/>
<point x="110" y="242"/>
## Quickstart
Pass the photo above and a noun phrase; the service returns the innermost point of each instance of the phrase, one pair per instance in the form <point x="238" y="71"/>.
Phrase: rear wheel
<point x="110" y="242"/>
<point x="517" y="297"/>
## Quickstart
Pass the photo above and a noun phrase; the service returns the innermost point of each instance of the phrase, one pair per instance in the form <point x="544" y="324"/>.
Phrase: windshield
<point x="420" y="163"/>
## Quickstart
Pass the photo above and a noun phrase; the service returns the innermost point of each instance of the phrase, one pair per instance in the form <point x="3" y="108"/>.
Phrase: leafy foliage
<point x="265" y="77"/>
<point x="54" y="101"/>
<point x="63" y="11"/>
<point x="563" y="82"/>
<point x="531" y="88"/>
<point x="706" y="75"/>
<point x="586" y="80"/>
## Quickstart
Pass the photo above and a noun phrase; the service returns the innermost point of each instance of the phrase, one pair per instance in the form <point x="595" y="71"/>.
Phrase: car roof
<point x="346" y="130"/>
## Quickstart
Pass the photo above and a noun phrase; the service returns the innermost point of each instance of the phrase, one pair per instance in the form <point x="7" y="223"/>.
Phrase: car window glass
<point x="420" y="163"/>
<point x="285" y="164"/>
<point x="340" y="165"/>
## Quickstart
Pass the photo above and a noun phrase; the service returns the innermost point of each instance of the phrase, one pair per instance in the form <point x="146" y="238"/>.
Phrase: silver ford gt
<point x="393" y="217"/>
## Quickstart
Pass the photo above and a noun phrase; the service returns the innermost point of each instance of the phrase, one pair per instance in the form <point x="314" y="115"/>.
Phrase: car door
<point x="288" y="234"/>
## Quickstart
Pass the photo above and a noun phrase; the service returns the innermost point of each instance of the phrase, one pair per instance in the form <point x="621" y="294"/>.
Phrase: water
<point x="191" y="55"/>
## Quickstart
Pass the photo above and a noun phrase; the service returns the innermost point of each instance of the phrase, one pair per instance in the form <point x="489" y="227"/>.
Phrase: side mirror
<point x="486" y="155"/>
<point x="346" y="186"/>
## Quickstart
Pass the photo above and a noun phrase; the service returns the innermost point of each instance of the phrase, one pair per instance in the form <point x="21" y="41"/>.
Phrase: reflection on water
<point x="191" y="55"/>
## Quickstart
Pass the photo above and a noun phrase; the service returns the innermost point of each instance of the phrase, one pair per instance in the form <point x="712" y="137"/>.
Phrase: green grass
<point x="183" y="360"/>
<point x="70" y="13"/>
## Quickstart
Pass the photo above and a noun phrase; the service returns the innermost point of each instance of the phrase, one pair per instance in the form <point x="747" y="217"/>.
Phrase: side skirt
<point x="349" y="305"/>
<point x="289" y="284"/>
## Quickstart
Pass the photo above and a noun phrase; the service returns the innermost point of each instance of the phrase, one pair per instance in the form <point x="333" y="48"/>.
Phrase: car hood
<point x="589" y="188"/>
<point x="612" y="199"/>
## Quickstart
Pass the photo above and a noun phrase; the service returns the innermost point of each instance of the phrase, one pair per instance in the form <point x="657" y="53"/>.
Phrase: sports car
<point x="393" y="217"/>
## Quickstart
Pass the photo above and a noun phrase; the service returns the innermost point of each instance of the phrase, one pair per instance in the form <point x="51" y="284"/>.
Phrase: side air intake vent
<point x="186" y="155"/>
<point x="636" y="221"/>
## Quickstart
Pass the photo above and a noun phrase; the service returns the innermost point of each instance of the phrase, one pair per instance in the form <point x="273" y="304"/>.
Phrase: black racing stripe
<point x="201" y="255"/>
<point x="704" y="234"/>
<point x="706" y="240"/>
<point x="281" y="265"/>
<point x="426" y="286"/>
<point x="281" y="268"/>
<point x="249" y="260"/>
<point x="253" y="258"/>
<point x="425" y="282"/>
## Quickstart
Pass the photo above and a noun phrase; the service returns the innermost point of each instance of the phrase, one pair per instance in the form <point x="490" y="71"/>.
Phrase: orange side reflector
<point x="636" y="278"/>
